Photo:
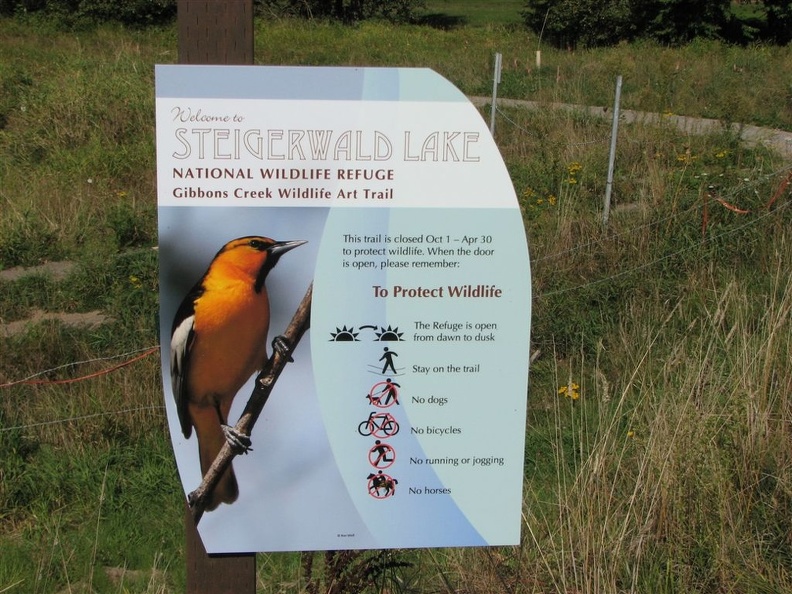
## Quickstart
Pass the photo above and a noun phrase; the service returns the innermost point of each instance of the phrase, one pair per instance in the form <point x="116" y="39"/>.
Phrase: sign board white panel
<point x="401" y="421"/>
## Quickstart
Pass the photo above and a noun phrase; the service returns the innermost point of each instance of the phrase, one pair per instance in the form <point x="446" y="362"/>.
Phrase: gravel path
<point x="57" y="271"/>
<point x="752" y="135"/>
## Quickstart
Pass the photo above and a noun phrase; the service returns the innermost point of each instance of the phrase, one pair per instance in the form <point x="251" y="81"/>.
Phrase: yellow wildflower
<point x="529" y="193"/>
<point x="571" y="390"/>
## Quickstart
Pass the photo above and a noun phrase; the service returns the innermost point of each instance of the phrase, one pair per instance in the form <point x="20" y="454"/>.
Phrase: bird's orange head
<point x="253" y="256"/>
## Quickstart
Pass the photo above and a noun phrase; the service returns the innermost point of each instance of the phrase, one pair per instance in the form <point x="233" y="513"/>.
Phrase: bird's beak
<point x="281" y="247"/>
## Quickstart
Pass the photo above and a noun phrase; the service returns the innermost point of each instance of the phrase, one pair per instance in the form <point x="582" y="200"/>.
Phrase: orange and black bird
<point x="219" y="340"/>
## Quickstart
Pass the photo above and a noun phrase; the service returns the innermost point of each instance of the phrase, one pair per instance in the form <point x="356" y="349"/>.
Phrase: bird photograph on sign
<point x="228" y="294"/>
<point x="218" y="341"/>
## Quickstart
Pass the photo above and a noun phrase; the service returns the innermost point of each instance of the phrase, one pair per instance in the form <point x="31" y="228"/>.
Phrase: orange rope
<point x="722" y="202"/>
<point x="32" y="382"/>
<point x="731" y="206"/>
<point x="779" y="191"/>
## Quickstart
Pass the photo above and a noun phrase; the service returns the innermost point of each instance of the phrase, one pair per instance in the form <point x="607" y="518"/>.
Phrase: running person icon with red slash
<point x="381" y="455"/>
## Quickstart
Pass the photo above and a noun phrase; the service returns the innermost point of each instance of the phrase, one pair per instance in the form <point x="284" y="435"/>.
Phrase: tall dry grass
<point x="672" y="471"/>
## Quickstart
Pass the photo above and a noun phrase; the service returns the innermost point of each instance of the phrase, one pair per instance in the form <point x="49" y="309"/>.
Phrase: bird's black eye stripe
<point x="257" y="244"/>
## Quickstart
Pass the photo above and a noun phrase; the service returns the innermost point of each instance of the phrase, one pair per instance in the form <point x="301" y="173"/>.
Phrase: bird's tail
<point x="226" y="490"/>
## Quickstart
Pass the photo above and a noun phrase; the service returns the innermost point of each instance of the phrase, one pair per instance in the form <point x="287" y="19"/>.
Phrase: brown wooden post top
<point x="215" y="31"/>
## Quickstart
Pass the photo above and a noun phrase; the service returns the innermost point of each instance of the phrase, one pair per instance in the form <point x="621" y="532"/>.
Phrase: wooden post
<point x="215" y="574"/>
<point x="215" y="32"/>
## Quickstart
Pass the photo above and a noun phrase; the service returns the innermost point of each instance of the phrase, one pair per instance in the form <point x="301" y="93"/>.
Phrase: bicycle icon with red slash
<point x="379" y="424"/>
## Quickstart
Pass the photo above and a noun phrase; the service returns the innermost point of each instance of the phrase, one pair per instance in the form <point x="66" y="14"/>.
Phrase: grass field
<point x="659" y="440"/>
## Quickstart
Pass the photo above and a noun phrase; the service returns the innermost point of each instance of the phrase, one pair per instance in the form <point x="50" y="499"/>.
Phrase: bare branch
<point x="265" y="382"/>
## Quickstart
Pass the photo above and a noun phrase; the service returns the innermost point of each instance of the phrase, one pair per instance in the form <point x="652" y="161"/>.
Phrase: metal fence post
<point x="495" y="81"/>
<point x="612" y="156"/>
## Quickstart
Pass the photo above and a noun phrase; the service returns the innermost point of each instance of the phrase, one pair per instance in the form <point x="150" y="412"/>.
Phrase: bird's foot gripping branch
<point x="281" y="344"/>
<point x="240" y="444"/>
<point x="265" y="382"/>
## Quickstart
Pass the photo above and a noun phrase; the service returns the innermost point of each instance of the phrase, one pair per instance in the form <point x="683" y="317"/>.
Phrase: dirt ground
<point x="58" y="271"/>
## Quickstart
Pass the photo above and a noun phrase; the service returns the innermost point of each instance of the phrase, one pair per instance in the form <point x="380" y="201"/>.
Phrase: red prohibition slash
<point x="381" y="455"/>
<point x="381" y="485"/>
<point x="379" y="425"/>
<point x="384" y="394"/>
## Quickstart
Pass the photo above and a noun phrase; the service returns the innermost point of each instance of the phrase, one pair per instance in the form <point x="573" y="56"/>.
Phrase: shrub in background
<point x="71" y="12"/>
<point x="139" y="13"/>
<point x="680" y="21"/>
<point x="779" y="20"/>
<point x="592" y="23"/>
<point x="587" y="23"/>
<point x="397" y="11"/>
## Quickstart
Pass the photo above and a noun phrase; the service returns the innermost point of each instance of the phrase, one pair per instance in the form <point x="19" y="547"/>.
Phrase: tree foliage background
<point x="590" y="23"/>
<point x="153" y="12"/>
<point x="72" y="12"/>
<point x="565" y="23"/>
<point x="779" y="20"/>
<point x="344" y="10"/>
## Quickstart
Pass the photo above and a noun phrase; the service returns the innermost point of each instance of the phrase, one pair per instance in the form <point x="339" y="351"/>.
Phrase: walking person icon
<point x="388" y="356"/>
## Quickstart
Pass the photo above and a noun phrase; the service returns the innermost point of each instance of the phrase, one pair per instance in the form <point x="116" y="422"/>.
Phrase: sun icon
<point x="344" y="335"/>
<point x="389" y="334"/>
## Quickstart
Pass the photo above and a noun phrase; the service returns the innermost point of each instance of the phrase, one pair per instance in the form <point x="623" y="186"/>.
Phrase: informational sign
<point x="401" y="421"/>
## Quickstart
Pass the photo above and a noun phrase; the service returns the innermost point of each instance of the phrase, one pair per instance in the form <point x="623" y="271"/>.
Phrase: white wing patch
<point x="180" y="344"/>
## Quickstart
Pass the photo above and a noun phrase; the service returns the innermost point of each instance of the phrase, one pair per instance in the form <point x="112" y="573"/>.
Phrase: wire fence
<point x="663" y="258"/>
<point x="135" y="355"/>
<point x="84" y="417"/>
<point x="131" y="357"/>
